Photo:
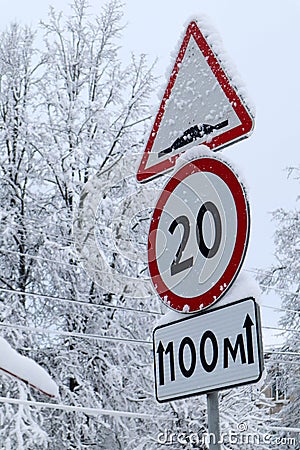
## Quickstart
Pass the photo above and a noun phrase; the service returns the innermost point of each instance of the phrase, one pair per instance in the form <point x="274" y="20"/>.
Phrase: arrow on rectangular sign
<point x="214" y="350"/>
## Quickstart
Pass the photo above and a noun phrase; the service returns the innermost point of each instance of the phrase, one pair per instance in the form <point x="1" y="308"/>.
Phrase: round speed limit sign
<point x="198" y="235"/>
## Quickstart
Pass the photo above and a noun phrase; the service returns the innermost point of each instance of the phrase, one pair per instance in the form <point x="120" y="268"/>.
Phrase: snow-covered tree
<point x="65" y="116"/>
<point x="20" y="193"/>
<point x="284" y="275"/>
<point x="19" y="177"/>
<point x="92" y="111"/>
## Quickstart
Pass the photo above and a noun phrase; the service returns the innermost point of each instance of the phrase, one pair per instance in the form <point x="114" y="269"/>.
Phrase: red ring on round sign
<point x="224" y="171"/>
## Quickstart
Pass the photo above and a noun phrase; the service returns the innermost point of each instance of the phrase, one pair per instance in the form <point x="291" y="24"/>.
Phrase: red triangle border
<point x="226" y="138"/>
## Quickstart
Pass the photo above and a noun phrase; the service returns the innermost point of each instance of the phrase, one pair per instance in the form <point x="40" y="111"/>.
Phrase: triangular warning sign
<point x="200" y="105"/>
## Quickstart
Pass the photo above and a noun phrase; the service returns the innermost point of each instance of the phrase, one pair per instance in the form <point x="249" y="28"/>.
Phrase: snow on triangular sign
<point x="200" y="105"/>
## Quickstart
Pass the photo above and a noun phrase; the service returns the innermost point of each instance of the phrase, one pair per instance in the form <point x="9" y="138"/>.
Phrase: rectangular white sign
<point x="216" y="349"/>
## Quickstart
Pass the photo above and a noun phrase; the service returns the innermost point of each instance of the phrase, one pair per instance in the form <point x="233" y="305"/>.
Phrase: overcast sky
<point x="262" y="39"/>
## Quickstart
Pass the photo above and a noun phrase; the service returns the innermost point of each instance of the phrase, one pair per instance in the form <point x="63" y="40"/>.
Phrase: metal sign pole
<point x="213" y="421"/>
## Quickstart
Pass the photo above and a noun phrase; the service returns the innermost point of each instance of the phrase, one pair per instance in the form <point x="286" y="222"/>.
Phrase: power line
<point x="73" y="266"/>
<point x="259" y="271"/>
<point x="41" y="231"/>
<point x="63" y="240"/>
<point x="276" y="308"/>
<point x="78" y="302"/>
<point x="281" y="329"/>
<point x="72" y="241"/>
<point x="282" y="353"/>
<point x="289" y="429"/>
<point x="107" y="412"/>
<point x="40" y="222"/>
<point x="284" y="291"/>
<point x="85" y="410"/>
<point x="54" y="261"/>
<point x="39" y="330"/>
<point x="42" y="258"/>
<point x="278" y="361"/>
<point x="102" y="306"/>
<point x="97" y="337"/>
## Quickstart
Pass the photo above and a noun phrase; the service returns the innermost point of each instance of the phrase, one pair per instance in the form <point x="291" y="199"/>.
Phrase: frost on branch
<point x="26" y="370"/>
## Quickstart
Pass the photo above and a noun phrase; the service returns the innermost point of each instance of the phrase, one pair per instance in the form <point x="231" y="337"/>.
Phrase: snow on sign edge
<point x="244" y="286"/>
<point x="214" y="40"/>
<point x="26" y="370"/>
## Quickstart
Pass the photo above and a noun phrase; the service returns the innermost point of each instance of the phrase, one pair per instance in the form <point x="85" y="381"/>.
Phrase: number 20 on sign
<point x="198" y="234"/>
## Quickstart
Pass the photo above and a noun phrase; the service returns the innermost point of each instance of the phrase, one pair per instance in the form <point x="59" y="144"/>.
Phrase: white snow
<point x="170" y="316"/>
<point x="243" y="287"/>
<point x="215" y="41"/>
<point x="26" y="370"/>
<point x="200" y="151"/>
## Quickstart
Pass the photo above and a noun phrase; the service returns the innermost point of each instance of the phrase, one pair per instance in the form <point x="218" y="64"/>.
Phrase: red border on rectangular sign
<point x="226" y="138"/>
